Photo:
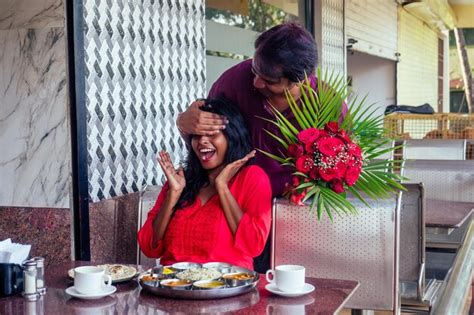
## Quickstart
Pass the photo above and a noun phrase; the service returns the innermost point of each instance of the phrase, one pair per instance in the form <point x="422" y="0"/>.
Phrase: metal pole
<point x="78" y="120"/>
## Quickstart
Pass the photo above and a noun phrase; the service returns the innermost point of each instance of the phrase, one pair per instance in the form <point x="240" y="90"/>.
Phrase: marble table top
<point x="328" y="298"/>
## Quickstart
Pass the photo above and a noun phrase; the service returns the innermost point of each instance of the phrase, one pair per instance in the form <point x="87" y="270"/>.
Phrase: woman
<point x="217" y="208"/>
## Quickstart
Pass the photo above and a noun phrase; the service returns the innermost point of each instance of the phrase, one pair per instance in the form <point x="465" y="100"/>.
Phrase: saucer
<point x="307" y="288"/>
<point x="108" y="290"/>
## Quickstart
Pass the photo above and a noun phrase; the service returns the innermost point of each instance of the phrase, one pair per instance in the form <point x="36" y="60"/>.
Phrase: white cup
<point x="287" y="278"/>
<point x="90" y="279"/>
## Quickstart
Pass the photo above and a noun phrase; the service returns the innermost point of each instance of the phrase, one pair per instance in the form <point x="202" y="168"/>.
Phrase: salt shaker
<point x="29" y="280"/>
<point x="40" y="283"/>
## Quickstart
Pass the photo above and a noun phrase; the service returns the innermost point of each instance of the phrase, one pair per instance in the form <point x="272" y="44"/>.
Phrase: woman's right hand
<point x="175" y="177"/>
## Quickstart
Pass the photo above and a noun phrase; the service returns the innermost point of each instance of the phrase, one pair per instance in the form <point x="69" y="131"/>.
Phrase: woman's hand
<point x="176" y="180"/>
<point x="231" y="169"/>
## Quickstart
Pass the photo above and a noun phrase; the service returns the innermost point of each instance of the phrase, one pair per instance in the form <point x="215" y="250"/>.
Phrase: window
<point x="232" y="27"/>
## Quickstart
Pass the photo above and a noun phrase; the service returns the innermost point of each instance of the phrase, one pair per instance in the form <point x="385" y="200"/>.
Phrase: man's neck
<point x="280" y="102"/>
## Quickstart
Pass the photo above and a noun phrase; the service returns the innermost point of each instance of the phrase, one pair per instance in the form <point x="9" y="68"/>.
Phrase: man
<point x="284" y="55"/>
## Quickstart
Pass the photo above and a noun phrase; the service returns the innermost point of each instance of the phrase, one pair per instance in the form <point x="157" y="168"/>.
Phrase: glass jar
<point x="29" y="280"/>
<point x="40" y="283"/>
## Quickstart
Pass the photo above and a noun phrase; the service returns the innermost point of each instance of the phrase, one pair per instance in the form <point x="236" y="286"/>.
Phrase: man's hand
<point x="197" y="122"/>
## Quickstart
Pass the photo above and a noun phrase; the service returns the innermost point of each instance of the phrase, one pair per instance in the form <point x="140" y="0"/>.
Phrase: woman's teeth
<point x="206" y="154"/>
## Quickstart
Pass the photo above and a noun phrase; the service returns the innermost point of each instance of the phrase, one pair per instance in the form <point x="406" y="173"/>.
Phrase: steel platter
<point x="198" y="282"/>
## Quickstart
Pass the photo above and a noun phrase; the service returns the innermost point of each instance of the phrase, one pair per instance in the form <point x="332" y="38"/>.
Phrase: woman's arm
<point x="176" y="183"/>
<point x="230" y="207"/>
<point x="253" y="193"/>
<point x="161" y="221"/>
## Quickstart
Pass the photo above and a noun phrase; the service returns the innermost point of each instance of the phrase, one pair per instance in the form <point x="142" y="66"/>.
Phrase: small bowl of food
<point x="166" y="272"/>
<point x="220" y="266"/>
<point x="176" y="284"/>
<point x="185" y="265"/>
<point x="209" y="284"/>
<point x="151" y="279"/>
<point x="237" y="279"/>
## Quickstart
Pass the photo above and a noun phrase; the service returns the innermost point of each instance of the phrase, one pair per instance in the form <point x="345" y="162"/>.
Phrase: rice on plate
<point x="196" y="274"/>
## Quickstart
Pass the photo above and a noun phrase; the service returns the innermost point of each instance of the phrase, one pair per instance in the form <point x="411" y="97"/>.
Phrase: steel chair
<point x="416" y="292"/>
<point x="147" y="200"/>
<point x="362" y="248"/>
<point x="434" y="149"/>
<point x="444" y="180"/>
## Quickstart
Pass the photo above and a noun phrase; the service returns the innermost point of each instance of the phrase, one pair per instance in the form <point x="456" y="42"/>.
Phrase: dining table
<point x="444" y="216"/>
<point x="329" y="297"/>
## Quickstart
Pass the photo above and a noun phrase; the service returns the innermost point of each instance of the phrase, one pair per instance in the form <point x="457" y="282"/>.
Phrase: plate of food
<point x="118" y="272"/>
<point x="198" y="283"/>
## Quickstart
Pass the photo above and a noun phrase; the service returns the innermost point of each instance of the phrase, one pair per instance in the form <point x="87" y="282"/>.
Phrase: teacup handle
<point x="270" y="272"/>
<point x="108" y="278"/>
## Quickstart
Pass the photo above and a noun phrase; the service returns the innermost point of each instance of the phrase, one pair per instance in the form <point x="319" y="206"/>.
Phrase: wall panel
<point x="144" y="64"/>
<point x="417" y="79"/>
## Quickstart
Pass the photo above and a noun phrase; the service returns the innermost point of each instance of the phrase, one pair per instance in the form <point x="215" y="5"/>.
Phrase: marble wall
<point x="34" y="131"/>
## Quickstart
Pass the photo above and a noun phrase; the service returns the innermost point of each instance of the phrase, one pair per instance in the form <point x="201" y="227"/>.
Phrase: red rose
<point x="323" y="134"/>
<point x="295" y="181"/>
<point x="340" y="168"/>
<point x="328" y="174"/>
<point x="335" y="172"/>
<point x="304" y="163"/>
<point x="308" y="135"/>
<point x="297" y="199"/>
<point x="352" y="174"/>
<point x="295" y="150"/>
<point x="314" y="173"/>
<point x="332" y="126"/>
<point x="343" y="135"/>
<point x="337" y="186"/>
<point x="354" y="149"/>
<point x="311" y="147"/>
<point x="330" y="146"/>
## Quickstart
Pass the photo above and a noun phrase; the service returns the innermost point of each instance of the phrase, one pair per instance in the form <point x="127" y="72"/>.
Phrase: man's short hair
<point x="286" y="50"/>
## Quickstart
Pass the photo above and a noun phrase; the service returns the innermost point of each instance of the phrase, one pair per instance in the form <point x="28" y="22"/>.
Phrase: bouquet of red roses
<point x="331" y="153"/>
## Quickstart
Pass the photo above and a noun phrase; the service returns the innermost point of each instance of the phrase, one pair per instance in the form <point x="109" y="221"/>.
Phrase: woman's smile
<point x="210" y="150"/>
<point x="206" y="154"/>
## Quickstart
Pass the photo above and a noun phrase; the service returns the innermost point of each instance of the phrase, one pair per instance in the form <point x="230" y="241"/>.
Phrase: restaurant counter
<point x="329" y="297"/>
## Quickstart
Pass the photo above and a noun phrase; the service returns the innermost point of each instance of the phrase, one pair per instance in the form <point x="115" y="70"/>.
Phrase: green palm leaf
<point x="317" y="108"/>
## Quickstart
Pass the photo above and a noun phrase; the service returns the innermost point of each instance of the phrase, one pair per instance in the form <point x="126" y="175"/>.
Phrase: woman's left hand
<point x="231" y="169"/>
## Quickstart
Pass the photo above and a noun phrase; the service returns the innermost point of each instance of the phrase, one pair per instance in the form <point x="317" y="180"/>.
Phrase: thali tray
<point x="193" y="293"/>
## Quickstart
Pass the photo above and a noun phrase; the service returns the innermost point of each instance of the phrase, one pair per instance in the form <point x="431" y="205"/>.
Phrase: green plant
<point x="333" y="154"/>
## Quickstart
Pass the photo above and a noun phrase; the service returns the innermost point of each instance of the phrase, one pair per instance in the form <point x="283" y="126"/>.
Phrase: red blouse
<point x="200" y="233"/>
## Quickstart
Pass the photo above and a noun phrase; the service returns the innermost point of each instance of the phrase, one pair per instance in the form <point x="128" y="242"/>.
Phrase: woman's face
<point x="210" y="150"/>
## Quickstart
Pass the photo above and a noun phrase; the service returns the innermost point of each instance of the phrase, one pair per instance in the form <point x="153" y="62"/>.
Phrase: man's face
<point x="270" y="87"/>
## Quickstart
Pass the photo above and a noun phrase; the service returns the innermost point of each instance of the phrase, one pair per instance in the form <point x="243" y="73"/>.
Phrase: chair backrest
<point x="412" y="243"/>
<point x="434" y="149"/>
<point x="442" y="179"/>
<point x="147" y="201"/>
<point x="362" y="248"/>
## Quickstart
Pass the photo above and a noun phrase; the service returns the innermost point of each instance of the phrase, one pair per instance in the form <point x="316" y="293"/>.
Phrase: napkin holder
<point x="11" y="279"/>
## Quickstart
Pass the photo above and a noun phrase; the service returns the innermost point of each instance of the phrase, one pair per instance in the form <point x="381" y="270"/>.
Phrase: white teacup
<point x="287" y="278"/>
<point x="90" y="279"/>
